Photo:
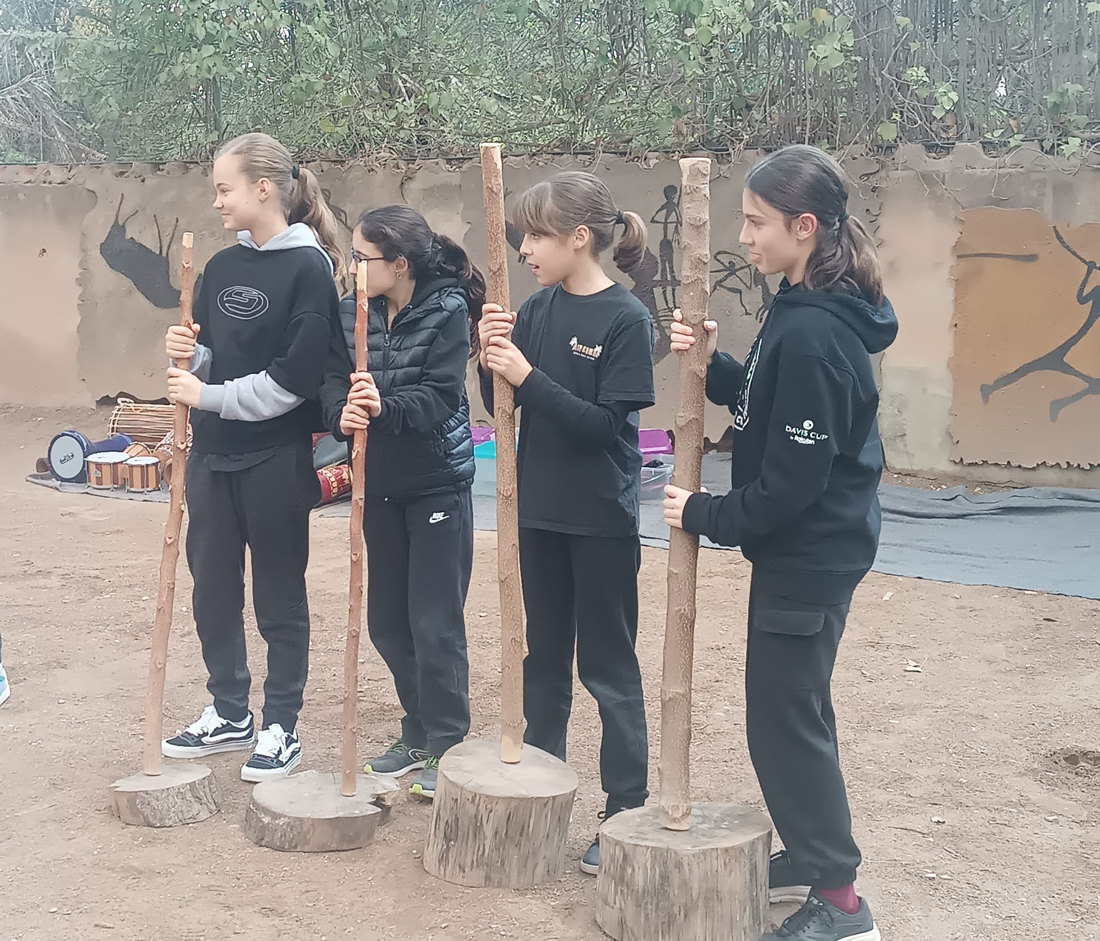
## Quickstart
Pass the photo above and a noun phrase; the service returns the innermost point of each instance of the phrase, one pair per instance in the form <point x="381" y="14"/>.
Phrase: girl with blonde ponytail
<point x="580" y="354"/>
<point x="266" y="309"/>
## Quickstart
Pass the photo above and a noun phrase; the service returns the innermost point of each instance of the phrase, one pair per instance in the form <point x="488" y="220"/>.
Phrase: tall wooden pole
<point x="170" y="552"/>
<point x="683" y="555"/>
<point x="511" y="602"/>
<point x="349" y="755"/>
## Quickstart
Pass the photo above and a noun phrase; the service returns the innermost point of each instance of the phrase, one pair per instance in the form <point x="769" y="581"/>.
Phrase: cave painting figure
<point x="737" y="275"/>
<point x="1055" y="360"/>
<point x="669" y="218"/>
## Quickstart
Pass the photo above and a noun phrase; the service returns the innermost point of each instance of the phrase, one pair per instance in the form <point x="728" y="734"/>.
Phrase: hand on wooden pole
<point x="683" y="555"/>
<point x="511" y="599"/>
<point x="349" y="754"/>
<point x="169" y="557"/>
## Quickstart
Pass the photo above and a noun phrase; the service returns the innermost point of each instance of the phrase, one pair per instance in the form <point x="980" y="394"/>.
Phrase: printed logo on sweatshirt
<point x="243" y="303"/>
<point x="805" y="434"/>
<point x="588" y="352"/>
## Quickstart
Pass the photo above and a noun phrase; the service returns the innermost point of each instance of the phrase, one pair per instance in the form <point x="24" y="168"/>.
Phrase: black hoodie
<point x="807" y="457"/>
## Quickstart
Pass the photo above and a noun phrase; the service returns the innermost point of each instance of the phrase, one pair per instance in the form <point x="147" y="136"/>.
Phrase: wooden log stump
<point x="709" y="883"/>
<point x="307" y="813"/>
<point x="498" y="824"/>
<point x="179" y="794"/>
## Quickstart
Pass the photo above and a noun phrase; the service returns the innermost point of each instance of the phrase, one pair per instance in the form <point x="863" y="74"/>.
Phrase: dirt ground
<point x="975" y="783"/>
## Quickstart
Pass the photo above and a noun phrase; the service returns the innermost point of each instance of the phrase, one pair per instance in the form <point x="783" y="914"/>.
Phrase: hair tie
<point x="620" y="219"/>
<point x="841" y="219"/>
<point x="295" y="170"/>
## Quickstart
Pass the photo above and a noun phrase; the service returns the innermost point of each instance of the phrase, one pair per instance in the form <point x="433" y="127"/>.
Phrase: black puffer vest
<point x="413" y="463"/>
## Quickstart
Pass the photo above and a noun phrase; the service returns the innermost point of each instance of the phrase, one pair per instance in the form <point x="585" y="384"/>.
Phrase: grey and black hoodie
<point x="267" y="314"/>
<point x="807" y="457"/>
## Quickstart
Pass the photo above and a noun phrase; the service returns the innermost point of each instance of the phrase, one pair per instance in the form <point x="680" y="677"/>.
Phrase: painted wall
<point x="994" y="375"/>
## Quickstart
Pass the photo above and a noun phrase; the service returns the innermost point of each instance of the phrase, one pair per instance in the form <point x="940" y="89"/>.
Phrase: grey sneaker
<point x="817" y="920"/>
<point x="785" y="882"/>
<point x="424" y="785"/>
<point x="398" y="761"/>
<point x="590" y="861"/>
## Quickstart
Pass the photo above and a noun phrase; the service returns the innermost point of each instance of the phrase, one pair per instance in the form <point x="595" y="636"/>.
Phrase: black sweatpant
<point x="792" y="646"/>
<point x="581" y="593"/>
<point x="420" y="552"/>
<point x="265" y="507"/>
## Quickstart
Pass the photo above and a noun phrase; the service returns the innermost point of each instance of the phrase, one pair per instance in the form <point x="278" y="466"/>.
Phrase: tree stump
<point x="306" y="813"/>
<point x="179" y="794"/>
<point x="709" y="883"/>
<point x="497" y="824"/>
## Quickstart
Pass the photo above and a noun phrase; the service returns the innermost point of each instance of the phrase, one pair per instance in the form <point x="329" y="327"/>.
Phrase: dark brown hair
<point x="263" y="157"/>
<point x="401" y="232"/>
<point x="802" y="179"/>
<point x="573" y="198"/>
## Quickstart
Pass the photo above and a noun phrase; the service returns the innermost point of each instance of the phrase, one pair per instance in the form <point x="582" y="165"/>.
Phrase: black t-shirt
<point x="579" y="461"/>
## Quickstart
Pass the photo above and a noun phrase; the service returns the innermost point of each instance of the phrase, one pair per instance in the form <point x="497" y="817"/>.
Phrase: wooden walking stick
<point x="349" y="755"/>
<point x="683" y="555"/>
<point x="511" y="602"/>
<point x="314" y="812"/>
<point x="178" y="793"/>
<point x="169" y="557"/>
<point x="501" y="822"/>
<point x="683" y="872"/>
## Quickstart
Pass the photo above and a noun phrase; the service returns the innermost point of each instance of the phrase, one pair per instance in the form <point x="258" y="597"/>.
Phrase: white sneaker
<point x="277" y="753"/>
<point x="209" y="735"/>
<point x="5" y="686"/>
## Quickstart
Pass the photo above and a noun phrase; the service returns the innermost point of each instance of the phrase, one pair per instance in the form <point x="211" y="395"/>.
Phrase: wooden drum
<point x="146" y="424"/>
<point x="335" y="483"/>
<point x="143" y="474"/>
<point x="105" y="470"/>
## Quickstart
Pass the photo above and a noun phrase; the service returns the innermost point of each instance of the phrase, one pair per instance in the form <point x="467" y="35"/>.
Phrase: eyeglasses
<point x="362" y="259"/>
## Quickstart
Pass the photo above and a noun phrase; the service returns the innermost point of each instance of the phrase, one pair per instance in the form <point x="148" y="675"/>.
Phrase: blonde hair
<point x="263" y="157"/>
<point x="574" y="198"/>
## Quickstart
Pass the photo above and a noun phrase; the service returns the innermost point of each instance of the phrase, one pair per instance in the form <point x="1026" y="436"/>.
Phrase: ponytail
<point x="312" y="209"/>
<point x="568" y="200"/>
<point x="401" y="232"/>
<point x="632" y="244"/>
<point x="449" y="260"/>
<point x="801" y="179"/>
<point x="845" y="259"/>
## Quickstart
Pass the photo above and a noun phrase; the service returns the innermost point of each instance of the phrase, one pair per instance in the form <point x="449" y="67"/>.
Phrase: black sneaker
<point x="424" y="785"/>
<point x="209" y="735"/>
<point x="277" y="753"/>
<point x="398" y="761"/>
<point x="817" y="920"/>
<point x="785" y="882"/>
<point x="590" y="861"/>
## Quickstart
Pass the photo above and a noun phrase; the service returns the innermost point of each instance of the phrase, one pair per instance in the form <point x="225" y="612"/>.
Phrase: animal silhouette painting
<point x="1088" y="295"/>
<point x="145" y="269"/>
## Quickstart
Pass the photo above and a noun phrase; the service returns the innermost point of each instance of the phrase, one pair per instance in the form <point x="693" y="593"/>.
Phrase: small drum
<point x="138" y="450"/>
<point x="166" y="449"/>
<point x="143" y="474"/>
<point x="335" y="482"/>
<point x="70" y="450"/>
<point x="105" y="470"/>
<point x="144" y="423"/>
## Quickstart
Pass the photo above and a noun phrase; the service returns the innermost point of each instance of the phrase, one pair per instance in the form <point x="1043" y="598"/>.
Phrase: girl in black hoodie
<point x="807" y="460"/>
<point x="418" y="512"/>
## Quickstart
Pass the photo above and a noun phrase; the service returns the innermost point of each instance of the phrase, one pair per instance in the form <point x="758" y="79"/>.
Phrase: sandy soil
<point x="974" y="782"/>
